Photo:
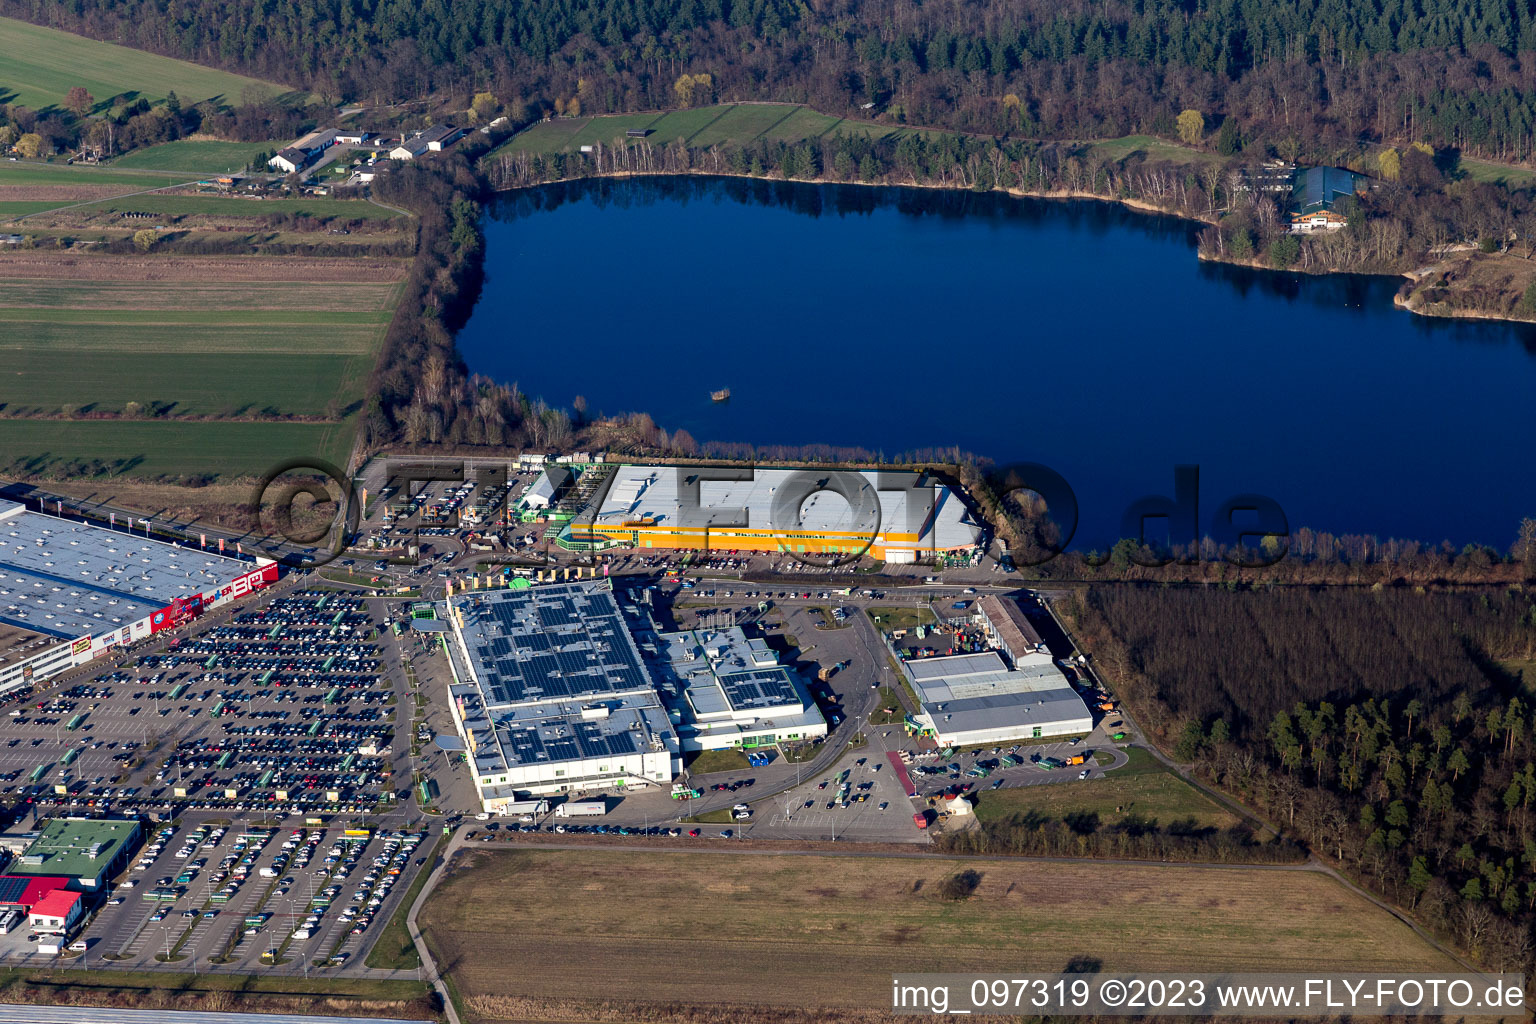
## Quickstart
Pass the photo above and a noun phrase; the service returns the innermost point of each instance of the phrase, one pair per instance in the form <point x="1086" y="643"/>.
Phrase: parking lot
<point x="240" y="898"/>
<point x="282" y="710"/>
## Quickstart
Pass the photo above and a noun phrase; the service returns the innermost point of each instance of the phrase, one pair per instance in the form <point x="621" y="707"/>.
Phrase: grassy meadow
<point x="699" y="127"/>
<point x="38" y="66"/>
<point x="197" y="157"/>
<point x="187" y="367"/>
<point x="1143" y="788"/>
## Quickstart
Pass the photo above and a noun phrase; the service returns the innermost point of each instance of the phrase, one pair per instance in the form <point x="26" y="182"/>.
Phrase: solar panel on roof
<point x="11" y="888"/>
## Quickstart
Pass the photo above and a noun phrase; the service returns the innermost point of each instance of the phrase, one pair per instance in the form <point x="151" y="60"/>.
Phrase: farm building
<point x="970" y="699"/>
<point x="88" y="851"/>
<point x="71" y="592"/>
<point x="290" y="160"/>
<point x="727" y="691"/>
<point x="895" y="516"/>
<point x="432" y="140"/>
<point x="551" y="695"/>
<point x="317" y="141"/>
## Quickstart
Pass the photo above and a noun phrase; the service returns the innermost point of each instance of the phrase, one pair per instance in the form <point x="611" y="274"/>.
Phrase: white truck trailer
<point x="581" y="809"/>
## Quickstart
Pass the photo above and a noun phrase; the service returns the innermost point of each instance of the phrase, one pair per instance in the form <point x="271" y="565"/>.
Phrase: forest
<point x="1390" y="730"/>
<point x="1288" y="76"/>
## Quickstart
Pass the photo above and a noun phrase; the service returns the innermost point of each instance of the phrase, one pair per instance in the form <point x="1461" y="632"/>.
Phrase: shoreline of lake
<point x="890" y="320"/>
<point x="1137" y="205"/>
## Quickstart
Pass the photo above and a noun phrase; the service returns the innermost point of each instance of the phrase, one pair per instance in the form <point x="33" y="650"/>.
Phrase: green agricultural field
<point x="26" y="207"/>
<point x="38" y="66"/>
<point x="155" y="448"/>
<point x="199" y="342"/>
<point x="1143" y="788"/>
<point x="198" y="157"/>
<point x="34" y="172"/>
<point x="743" y="123"/>
<point x="701" y="128"/>
<point x="609" y="130"/>
<point x="546" y="136"/>
<point x="210" y="205"/>
<point x="802" y="123"/>
<point x="209" y="300"/>
<point x="1499" y="174"/>
<point x="229" y="206"/>
<point x="683" y="124"/>
<point x="199" y="384"/>
<point x="1153" y="148"/>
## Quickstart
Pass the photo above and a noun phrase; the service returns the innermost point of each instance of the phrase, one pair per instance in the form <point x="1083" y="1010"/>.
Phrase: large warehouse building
<point x="551" y="695"/>
<point x="1016" y="692"/>
<point x="557" y="691"/>
<point x="88" y="851"/>
<point x="726" y="691"/>
<point x="895" y="516"/>
<point x="71" y="592"/>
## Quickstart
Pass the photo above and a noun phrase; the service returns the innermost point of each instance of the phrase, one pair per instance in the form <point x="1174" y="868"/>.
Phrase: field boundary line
<point x="792" y="112"/>
<point x="725" y="110"/>
<point x="455" y="843"/>
<point x="108" y="199"/>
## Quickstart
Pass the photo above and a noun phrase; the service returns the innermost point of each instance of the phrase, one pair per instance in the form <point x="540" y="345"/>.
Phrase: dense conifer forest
<point x="1453" y="73"/>
<point x="1393" y="731"/>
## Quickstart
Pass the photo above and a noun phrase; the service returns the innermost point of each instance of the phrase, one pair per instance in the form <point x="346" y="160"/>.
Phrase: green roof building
<point x="89" y="850"/>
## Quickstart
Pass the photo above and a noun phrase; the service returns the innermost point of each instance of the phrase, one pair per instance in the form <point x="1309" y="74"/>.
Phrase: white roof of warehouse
<point x="971" y="692"/>
<point x="71" y="579"/>
<point x="653" y="492"/>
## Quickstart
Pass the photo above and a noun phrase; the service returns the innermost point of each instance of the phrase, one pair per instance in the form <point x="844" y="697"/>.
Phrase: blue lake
<point x="1078" y="335"/>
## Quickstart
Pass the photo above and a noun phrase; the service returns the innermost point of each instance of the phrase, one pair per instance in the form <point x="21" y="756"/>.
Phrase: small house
<point x="56" y="912"/>
<point x="1315" y="193"/>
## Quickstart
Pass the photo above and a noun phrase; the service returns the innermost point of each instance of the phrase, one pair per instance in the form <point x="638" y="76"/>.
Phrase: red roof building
<point x="23" y="891"/>
<point x="57" y="909"/>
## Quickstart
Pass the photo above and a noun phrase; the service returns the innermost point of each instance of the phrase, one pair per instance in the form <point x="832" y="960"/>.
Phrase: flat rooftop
<point x="568" y="734"/>
<point x="983" y="713"/>
<point x="552" y="675"/>
<point x="17" y="642"/>
<point x="968" y="692"/>
<point x="68" y="579"/>
<point x="893" y="501"/>
<point x="548" y="643"/>
<point x="76" y="847"/>
<point x="721" y="671"/>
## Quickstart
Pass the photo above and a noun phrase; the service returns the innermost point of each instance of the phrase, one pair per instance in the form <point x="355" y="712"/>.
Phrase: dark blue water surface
<point x="1078" y="335"/>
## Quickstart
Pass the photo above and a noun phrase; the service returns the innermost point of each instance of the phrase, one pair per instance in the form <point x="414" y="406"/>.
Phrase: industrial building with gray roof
<point x="65" y="584"/>
<point x="551" y="695"/>
<point x="1014" y="692"/>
